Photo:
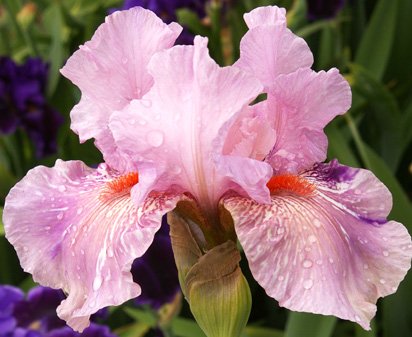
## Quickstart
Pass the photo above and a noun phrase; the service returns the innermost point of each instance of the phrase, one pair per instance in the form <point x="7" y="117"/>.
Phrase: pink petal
<point x="268" y="15"/>
<point x="331" y="252"/>
<point x="181" y="124"/>
<point x="269" y="49"/>
<point x="251" y="135"/>
<point x="111" y="70"/>
<point x="76" y="228"/>
<point x="300" y="105"/>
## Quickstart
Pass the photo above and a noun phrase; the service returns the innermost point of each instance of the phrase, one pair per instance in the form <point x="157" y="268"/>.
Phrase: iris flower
<point x="174" y="126"/>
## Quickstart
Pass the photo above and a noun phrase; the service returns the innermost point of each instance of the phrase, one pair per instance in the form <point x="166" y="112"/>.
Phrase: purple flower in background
<point x="324" y="9"/>
<point x="156" y="271"/>
<point x="166" y="10"/>
<point x="23" y="103"/>
<point x="35" y="315"/>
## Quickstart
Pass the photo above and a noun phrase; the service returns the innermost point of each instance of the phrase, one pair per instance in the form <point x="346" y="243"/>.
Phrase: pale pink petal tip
<point x="111" y="70"/>
<point x="77" y="229"/>
<point x="269" y="48"/>
<point x="269" y="15"/>
<point x="328" y="251"/>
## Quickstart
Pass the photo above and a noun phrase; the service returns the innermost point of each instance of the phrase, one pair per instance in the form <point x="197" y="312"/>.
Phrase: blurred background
<point x="370" y="41"/>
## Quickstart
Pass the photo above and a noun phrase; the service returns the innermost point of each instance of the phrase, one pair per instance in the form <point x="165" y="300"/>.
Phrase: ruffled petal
<point x="111" y="70"/>
<point x="181" y="124"/>
<point x="326" y="250"/>
<point x="269" y="15"/>
<point x="76" y="228"/>
<point x="269" y="48"/>
<point x="299" y="106"/>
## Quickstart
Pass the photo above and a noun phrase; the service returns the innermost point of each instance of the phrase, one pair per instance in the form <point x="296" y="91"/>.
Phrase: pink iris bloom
<point x="173" y="125"/>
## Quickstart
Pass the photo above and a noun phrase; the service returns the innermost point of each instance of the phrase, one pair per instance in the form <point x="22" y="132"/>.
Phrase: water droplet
<point x="79" y="210"/>
<point x="280" y="278"/>
<point x="280" y="230"/>
<point x="365" y="266"/>
<point x="25" y="248"/>
<point x="307" y="264"/>
<point x="60" y="216"/>
<point x="357" y="191"/>
<point x="97" y="283"/>
<point x="110" y="252"/>
<point x="382" y="281"/>
<point x="142" y="122"/>
<point x="38" y="193"/>
<point x="317" y="223"/>
<point x="155" y="138"/>
<point x="312" y="238"/>
<point x="307" y="284"/>
<point x="62" y="188"/>
<point x="78" y="267"/>
<point x="82" y="251"/>
<point x="385" y="253"/>
<point x="384" y="238"/>
<point x="147" y="103"/>
<point x="319" y="262"/>
<point x="124" y="60"/>
<point x="47" y="228"/>
<point x="331" y="260"/>
<point x="92" y="304"/>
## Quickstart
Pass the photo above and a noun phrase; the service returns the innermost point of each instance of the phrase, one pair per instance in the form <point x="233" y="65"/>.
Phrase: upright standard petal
<point x="76" y="228"/>
<point x="269" y="48"/>
<point x="298" y="107"/>
<point x="324" y="245"/>
<point x="181" y="124"/>
<point x="111" y="70"/>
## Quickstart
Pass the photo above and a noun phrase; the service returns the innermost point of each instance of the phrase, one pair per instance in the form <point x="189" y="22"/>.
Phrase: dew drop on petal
<point x="97" y="283"/>
<point x="307" y="264"/>
<point x="62" y="188"/>
<point x="280" y="278"/>
<point x="312" y="238"/>
<point x="307" y="284"/>
<point x="385" y="253"/>
<point x="60" y="216"/>
<point x="382" y="281"/>
<point x="124" y="60"/>
<point x="317" y="223"/>
<point x="110" y="252"/>
<point x="155" y="138"/>
<point x="25" y="248"/>
<point x="147" y="103"/>
<point x="331" y="260"/>
<point x="365" y="266"/>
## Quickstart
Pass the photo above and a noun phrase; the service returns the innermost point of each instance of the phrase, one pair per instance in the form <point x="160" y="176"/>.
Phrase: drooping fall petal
<point x="181" y="124"/>
<point x="269" y="48"/>
<point x="111" y="70"/>
<point x="76" y="228"/>
<point x="324" y="245"/>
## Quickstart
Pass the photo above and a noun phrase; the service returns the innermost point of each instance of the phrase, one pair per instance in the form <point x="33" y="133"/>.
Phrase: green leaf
<point x="382" y="117"/>
<point x="53" y="18"/>
<point x="309" y="325"/>
<point x="257" y="331"/>
<point x="133" y="330"/>
<point x="375" y="47"/>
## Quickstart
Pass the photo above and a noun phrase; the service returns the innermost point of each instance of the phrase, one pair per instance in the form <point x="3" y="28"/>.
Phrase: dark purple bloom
<point x="324" y="9"/>
<point x="9" y="296"/>
<point x="156" y="271"/>
<point x="35" y="315"/>
<point x="23" y="103"/>
<point x="166" y="9"/>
